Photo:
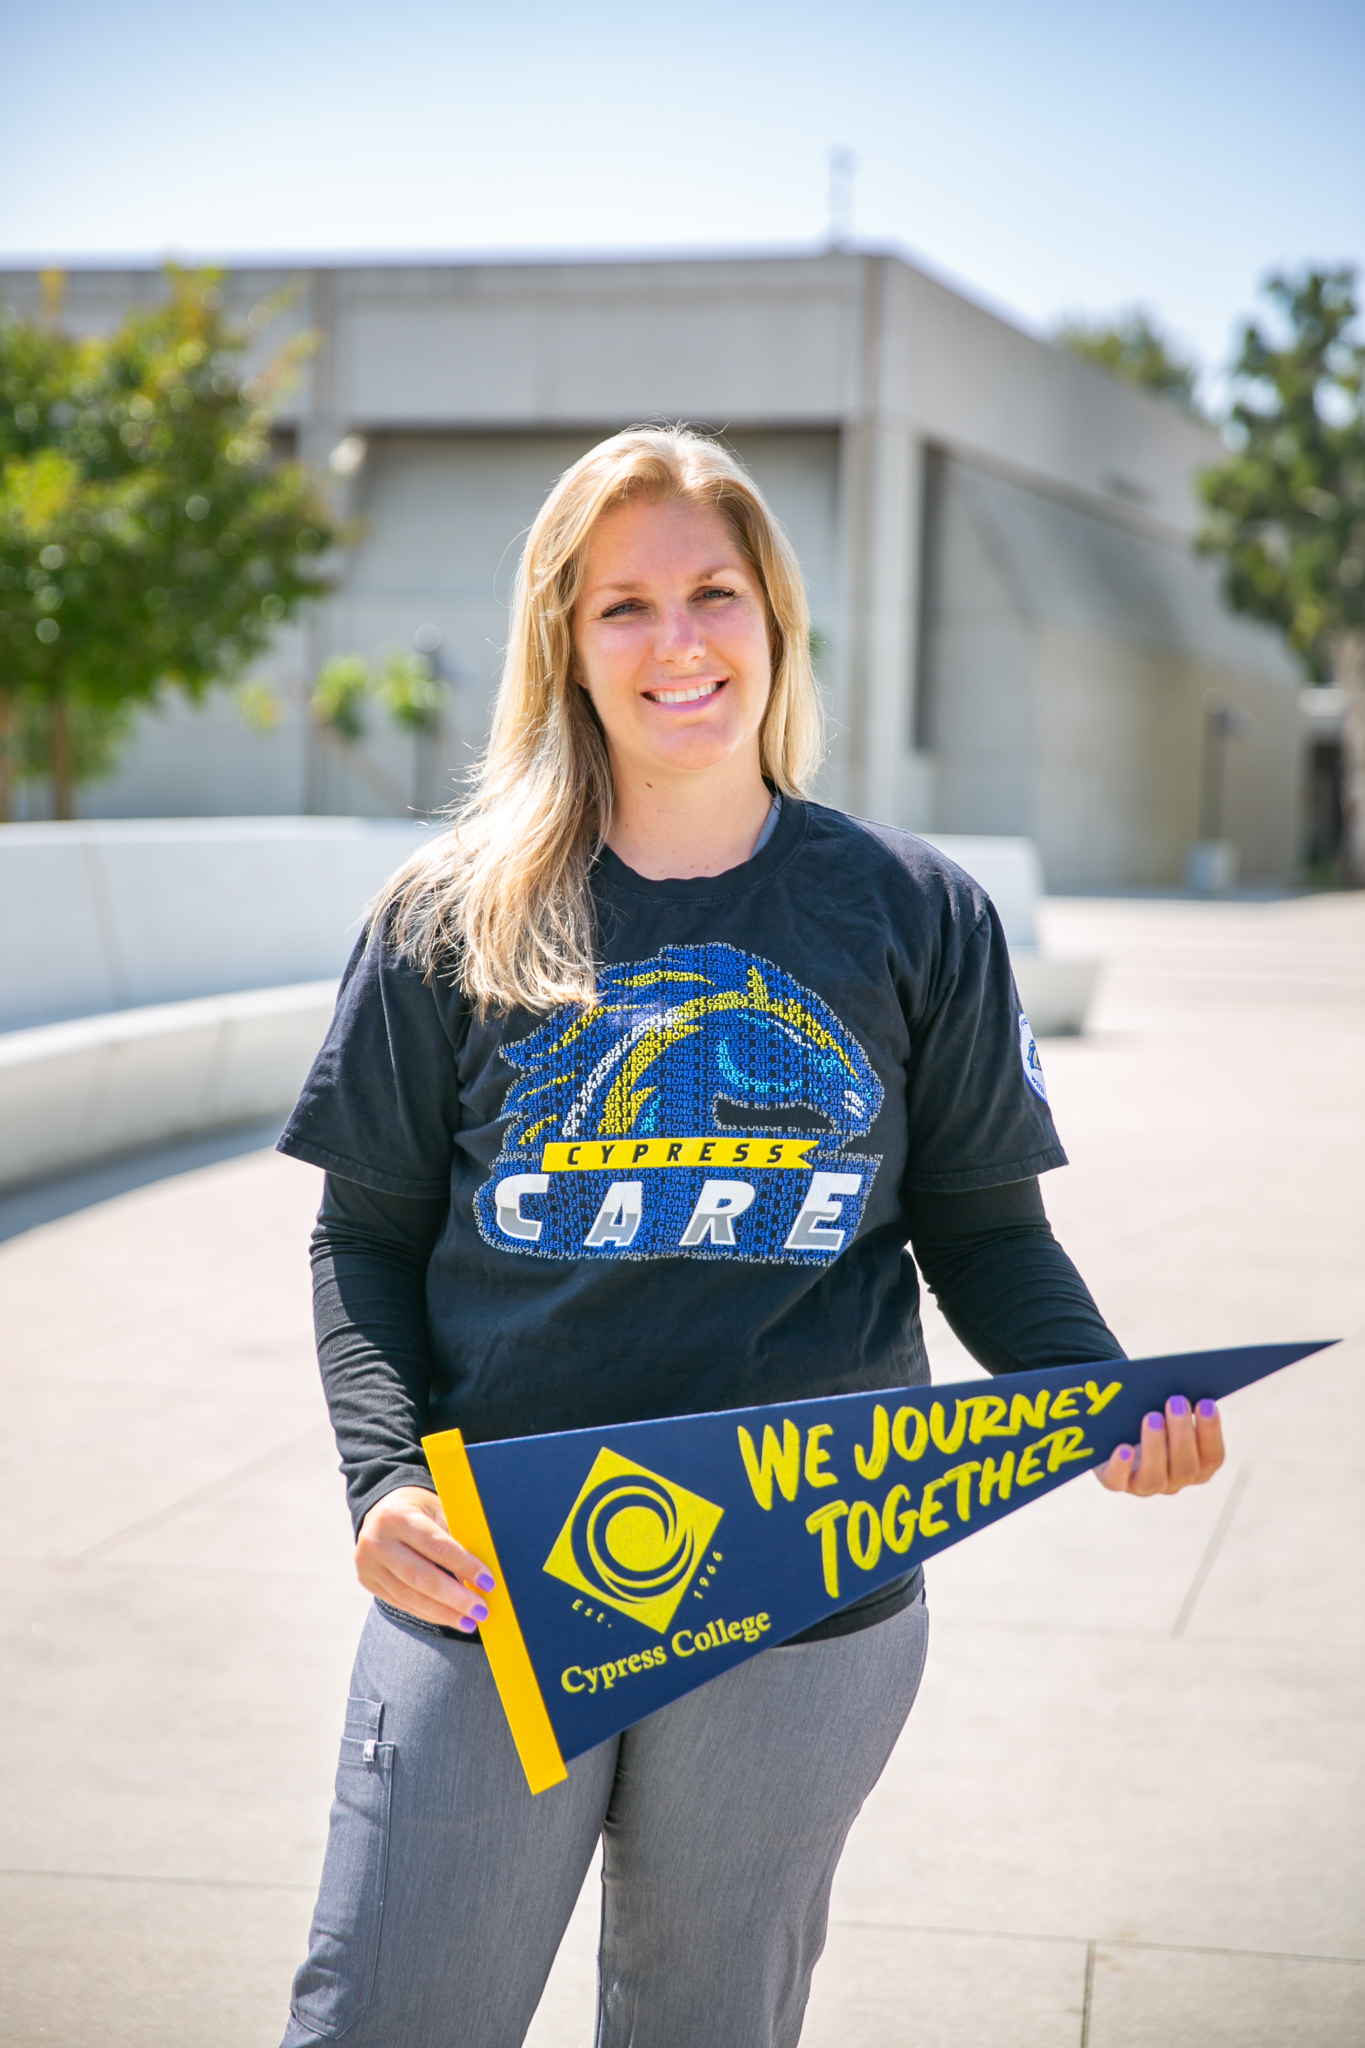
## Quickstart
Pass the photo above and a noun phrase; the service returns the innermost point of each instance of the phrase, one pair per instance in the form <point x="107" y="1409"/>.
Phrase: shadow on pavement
<point x="46" y="1201"/>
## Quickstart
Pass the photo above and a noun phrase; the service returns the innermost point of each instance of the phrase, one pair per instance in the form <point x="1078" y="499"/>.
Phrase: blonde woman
<point x="638" y="924"/>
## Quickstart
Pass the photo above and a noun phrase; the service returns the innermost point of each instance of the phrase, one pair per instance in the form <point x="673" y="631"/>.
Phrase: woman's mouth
<point x="688" y="693"/>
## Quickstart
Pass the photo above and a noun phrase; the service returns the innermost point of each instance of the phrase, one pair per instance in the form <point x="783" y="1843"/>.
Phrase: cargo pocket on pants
<point x="334" y="1986"/>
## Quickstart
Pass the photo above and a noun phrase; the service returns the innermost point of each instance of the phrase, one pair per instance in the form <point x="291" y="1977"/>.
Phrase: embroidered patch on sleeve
<point x="1028" y="1053"/>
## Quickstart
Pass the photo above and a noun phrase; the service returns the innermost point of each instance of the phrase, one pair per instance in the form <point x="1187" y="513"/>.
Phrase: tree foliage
<point x="405" y="686"/>
<point x="1287" y="507"/>
<point x="338" y="699"/>
<point x="1133" y="347"/>
<point x="148" y="539"/>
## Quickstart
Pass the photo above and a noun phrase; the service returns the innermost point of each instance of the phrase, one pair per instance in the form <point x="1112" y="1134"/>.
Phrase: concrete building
<point x="1015" y="637"/>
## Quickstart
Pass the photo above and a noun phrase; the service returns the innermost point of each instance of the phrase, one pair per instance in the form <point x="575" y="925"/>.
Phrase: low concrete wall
<point x="124" y="913"/>
<point x="77" y="1092"/>
<point x="1009" y="870"/>
<point x="119" y="917"/>
<point x="1055" y="993"/>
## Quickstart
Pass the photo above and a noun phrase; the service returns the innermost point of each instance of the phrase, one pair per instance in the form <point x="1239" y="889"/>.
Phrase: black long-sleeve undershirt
<point x="370" y="1253"/>
<point x="1004" y="1283"/>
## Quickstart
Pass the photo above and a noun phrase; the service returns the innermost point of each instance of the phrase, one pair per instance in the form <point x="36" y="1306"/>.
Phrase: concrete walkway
<point x="1127" y="1809"/>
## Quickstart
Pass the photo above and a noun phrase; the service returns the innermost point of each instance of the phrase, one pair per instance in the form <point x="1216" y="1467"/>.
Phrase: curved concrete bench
<point x="161" y="977"/>
<point x="120" y="913"/>
<point x="74" y="1093"/>
<point x="1055" y="993"/>
<point x="121" y="918"/>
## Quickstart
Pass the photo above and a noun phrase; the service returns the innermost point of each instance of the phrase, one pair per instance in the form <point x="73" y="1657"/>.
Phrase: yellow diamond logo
<point x="633" y="1540"/>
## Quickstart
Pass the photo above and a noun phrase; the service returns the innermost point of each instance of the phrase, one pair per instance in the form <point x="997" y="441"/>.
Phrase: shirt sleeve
<point x="1005" y="1285"/>
<point x="370" y="1254"/>
<point x="978" y="1111"/>
<point x="381" y="1104"/>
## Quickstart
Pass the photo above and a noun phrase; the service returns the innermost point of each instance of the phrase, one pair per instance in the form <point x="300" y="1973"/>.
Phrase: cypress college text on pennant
<point x="637" y="1562"/>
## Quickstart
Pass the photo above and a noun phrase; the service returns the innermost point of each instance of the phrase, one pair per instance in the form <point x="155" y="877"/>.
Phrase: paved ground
<point x="1127" y="1810"/>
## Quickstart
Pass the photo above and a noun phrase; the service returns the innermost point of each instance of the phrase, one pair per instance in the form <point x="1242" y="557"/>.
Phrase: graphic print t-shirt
<point x="692" y="1195"/>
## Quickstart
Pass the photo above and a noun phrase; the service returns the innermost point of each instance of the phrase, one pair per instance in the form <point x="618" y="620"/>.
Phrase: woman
<point x="638" y="926"/>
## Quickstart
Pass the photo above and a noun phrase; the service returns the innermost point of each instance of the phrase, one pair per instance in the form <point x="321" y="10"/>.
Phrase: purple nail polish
<point x="1153" y="1421"/>
<point x="1179" y="1405"/>
<point x="466" y="1625"/>
<point x="1125" y="1454"/>
<point x="1208" y="1409"/>
<point x="478" y="1611"/>
<point x="486" y="1582"/>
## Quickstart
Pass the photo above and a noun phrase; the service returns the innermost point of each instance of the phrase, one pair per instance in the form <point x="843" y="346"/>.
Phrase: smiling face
<point x="671" y="640"/>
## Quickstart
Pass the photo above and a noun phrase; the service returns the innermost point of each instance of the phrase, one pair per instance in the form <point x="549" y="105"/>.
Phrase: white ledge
<point x="74" y="1093"/>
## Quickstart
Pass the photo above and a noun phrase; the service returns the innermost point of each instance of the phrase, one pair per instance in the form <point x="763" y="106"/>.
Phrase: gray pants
<point x="447" y="1887"/>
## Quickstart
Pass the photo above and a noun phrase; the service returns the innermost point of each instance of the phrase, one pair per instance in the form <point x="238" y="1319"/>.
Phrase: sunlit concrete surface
<point x="1127" y="1809"/>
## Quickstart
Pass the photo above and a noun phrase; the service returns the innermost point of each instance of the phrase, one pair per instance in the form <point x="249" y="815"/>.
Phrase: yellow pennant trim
<point x="501" y="1636"/>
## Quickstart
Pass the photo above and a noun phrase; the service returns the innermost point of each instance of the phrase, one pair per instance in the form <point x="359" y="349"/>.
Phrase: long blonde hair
<point x="501" y="901"/>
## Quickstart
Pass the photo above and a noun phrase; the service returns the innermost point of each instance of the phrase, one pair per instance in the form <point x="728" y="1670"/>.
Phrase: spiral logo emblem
<point x="633" y="1540"/>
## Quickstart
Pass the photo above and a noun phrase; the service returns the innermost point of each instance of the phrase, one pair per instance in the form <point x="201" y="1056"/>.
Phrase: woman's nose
<point x="679" y="637"/>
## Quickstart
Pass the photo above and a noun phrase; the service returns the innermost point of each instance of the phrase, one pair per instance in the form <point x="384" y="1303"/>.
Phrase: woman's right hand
<point x="406" y="1555"/>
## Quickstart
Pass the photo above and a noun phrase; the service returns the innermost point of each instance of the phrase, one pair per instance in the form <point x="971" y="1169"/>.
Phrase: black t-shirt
<point x="695" y="1194"/>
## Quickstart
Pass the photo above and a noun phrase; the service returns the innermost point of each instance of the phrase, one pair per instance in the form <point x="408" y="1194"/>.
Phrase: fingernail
<point x="466" y="1624"/>
<point x="1153" y="1421"/>
<point x="486" y="1582"/>
<point x="478" y="1611"/>
<point x="1124" y="1454"/>
<point x="1208" y="1409"/>
<point x="1179" y="1405"/>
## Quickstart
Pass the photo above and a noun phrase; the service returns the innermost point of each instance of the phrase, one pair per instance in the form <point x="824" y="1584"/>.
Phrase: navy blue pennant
<point x="637" y="1562"/>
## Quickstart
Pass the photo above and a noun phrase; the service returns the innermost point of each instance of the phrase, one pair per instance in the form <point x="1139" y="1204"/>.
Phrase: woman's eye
<point x="622" y="610"/>
<point x="716" y="590"/>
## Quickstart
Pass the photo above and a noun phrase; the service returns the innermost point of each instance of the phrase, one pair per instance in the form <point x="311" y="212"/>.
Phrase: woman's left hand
<point x="1183" y="1447"/>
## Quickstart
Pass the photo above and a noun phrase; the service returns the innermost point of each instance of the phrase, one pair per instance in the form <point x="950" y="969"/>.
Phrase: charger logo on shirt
<point x="698" y="1109"/>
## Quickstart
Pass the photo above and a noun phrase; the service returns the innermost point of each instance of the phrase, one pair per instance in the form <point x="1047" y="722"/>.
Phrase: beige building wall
<point x="443" y="517"/>
<point x="1066" y="664"/>
<point x="995" y="535"/>
<point x="1121" y="729"/>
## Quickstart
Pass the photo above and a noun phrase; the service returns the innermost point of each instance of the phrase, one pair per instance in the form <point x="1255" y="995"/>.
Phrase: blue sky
<point x="1048" y="159"/>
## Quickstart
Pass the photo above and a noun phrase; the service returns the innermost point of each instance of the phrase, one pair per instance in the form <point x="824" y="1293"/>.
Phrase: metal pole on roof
<point x="843" y="170"/>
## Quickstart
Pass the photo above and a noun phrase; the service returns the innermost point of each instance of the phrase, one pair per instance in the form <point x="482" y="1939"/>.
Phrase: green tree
<point x="1134" y="348"/>
<point x="410" y="691"/>
<point x="405" y="686"/>
<point x="148" y="539"/>
<point x="1287" y="507"/>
